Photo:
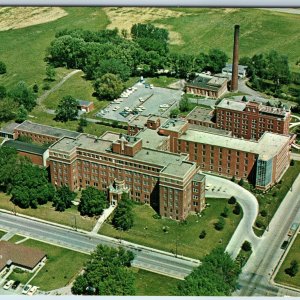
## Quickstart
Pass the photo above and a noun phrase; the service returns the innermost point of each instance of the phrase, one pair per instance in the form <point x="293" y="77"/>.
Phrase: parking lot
<point x="142" y="99"/>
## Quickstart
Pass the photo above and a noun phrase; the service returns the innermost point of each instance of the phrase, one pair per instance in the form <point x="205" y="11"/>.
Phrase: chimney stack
<point x="235" y="63"/>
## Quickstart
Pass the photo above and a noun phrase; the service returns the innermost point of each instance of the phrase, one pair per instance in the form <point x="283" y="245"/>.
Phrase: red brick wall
<point x="37" y="138"/>
<point x="35" y="158"/>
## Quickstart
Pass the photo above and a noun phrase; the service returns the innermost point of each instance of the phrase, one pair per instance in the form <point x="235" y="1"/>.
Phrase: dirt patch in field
<point x="125" y="17"/>
<point x="20" y="17"/>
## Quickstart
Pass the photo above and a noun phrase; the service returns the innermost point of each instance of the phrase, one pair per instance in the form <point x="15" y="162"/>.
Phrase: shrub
<point x="293" y="269"/>
<point x="237" y="209"/>
<point x="225" y="212"/>
<point x="259" y="224"/>
<point x="220" y="224"/>
<point x="263" y="213"/>
<point x="292" y="163"/>
<point x="241" y="182"/>
<point x="231" y="200"/>
<point x="233" y="179"/>
<point x="246" y="246"/>
<point x="202" y="234"/>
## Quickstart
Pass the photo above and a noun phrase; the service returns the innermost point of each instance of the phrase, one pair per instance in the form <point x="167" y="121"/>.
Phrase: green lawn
<point x="294" y="254"/>
<point x="47" y="212"/>
<point x="161" y="81"/>
<point x="187" y="236"/>
<point x="271" y="200"/>
<point x="2" y="233"/>
<point x="152" y="284"/>
<point x="62" y="265"/>
<point x="23" y="50"/>
<point x="21" y="275"/>
<point x="16" y="238"/>
<point x="260" y="31"/>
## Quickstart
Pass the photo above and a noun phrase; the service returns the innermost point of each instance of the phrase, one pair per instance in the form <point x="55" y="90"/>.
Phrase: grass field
<point x="152" y="284"/>
<point x="2" y="233"/>
<point x="23" y="50"/>
<point x="272" y="199"/>
<point x="294" y="254"/>
<point x="47" y="212"/>
<point x="21" y="275"/>
<point x="16" y="238"/>
<point x="161" y="81"/>
<point x="260" y="31"/>
<point x="61" y="267"/>
<point x="186" y="236"/>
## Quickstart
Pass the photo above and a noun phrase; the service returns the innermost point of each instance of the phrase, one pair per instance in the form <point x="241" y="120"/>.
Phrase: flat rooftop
<point x="140" y="121"/>
<point x="174" y="124"/>
<point x="83" y="102"/>
<point x="208" y="82"/>
<point x="46" y="130"/>
<point x="110" y="136"/>
<point x="257" y="147"/>
<point x="25" y="147"/>
<point x="178" y="170"/>
<point x="231" y="104"/>
<point x="151" y="139"/>
<point x="201" y="114"/>
<point x="210" y="129"/>
<point x="9" y="128"/>
<point x="199" y="177"/>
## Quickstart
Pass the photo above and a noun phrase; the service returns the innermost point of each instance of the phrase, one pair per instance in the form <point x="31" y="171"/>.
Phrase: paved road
<point x="255" y="277"/>
<point x="145" y="258"/>
<point x="249" y="206"/>
<point x="247" y="90"/>
<point x="294" y="11"/>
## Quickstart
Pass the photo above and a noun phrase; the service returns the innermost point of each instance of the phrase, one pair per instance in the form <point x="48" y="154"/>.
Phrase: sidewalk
<point x="106" y="213"/>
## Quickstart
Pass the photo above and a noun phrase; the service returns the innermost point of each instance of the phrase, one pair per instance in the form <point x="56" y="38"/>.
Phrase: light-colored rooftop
<point x="174" y="124"/>
<point x="9" y="128"/>
<point x="201" y="114"/>
<point x="178" y="170"/>
<point x="151" y="139"/>
<point x="110" y="136"/>
<point x="139" y="121"/>
<point x="267" y="146"/>
<point x="46" y="130"/>
<point x="217" y="81"/>
<point x="230" y="104"/>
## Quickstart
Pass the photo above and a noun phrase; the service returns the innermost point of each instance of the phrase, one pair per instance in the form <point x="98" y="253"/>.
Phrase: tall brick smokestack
<point x="235" y="64"/>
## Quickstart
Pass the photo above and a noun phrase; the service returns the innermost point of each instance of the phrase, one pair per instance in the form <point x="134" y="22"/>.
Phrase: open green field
<point x="149" y="231"/>
<point x="161" y="81"/>
<point x="47" y="212"/>
<point x="16" y="238"/>
<point x="23" y="50"/>
<point x="62" y="265"/>
<point x="261" y="31"/>
<point x="271" y="200"/>
<point x="152" y="284"/>
<point x="294" y="254"/>
<point x="20" y="275"/>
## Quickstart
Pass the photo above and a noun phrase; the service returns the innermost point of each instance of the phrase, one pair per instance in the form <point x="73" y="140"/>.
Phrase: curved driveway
<point x="248" y="204"/>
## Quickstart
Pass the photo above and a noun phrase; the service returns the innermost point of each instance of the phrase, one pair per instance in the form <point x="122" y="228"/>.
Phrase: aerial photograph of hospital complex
<point x="149" y="151"/>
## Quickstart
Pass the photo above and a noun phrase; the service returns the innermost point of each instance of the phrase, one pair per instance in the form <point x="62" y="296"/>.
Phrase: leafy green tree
<point x="35" y="88"/>
<point x="231" y="200"/>
<point x="216" y="60"/>
<point x="246" y="246"/>
<point x="7" y="109"/>
<point x="123" y="217"/>
<point x="63" y="198"/>
<point x="202" y="234"/>
<point x="225" y="212"/>
<point x="107" y="273"/>
<point x="92" y="202"/>
<point x="241" y="182"/>
<point x="174" y="112"/>
<point x="22" y="114"/>
<point x="30" y="186"/>
<point x="2" y="67"/>
<point x="216" y="276"/>
<point x="3" y="92"/>
<point x="108" y="87"/>
<point x="82" y="123"/>
<point x="237" y="209"/>
<point x="23" y="95"/>
<point x="293" y="268"/>
<point x="184" y="104"/>
<point x="50" y="73"/>
<point x="220" y="224"/>
<point x="25" y="139"/>
<point x="67" y="109"/>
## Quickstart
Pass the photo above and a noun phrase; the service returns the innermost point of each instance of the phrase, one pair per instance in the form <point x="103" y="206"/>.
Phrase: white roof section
<point x="233" y="105"/>
<point x="267" y="146"/>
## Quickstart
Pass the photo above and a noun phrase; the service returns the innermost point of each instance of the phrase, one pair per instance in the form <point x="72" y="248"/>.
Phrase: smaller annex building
<point x="20" y="256"/>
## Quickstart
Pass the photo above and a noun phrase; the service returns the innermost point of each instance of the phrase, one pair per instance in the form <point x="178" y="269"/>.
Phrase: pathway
<point x="106" y="213"/>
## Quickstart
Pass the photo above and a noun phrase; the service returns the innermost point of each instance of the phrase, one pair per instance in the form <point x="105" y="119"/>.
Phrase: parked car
<point x="141" y="99"/>
<point x="15" y="285"/>
<point x="32" y="290"/>
<point x="8" y="284"/>
<point x="26" y="289"/>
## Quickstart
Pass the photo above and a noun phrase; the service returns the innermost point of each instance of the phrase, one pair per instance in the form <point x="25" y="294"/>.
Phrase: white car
<point x="8" y="284"/>
<point x="139" y="109"/>
<point x="32" y="290"/>
<point x="26" y="289"/>
<point x="142" y="107"/>
<point x="126" y="108"/>
<point x="141" y="99"/>
<point x="164" y="106"/>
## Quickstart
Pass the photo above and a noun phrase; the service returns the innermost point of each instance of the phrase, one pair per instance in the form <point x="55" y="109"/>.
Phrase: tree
<point x="63" y="198"/>
<point x="108" y="87"/>
<point x="246" y="246"/>
<point x="233" y="178"/>
<point x="231" y="200"/>
<point x="3" y="92"/>
<point x="50" y="73"/>
<point x="237" y="209"/>
<point x="92" y="202"/>
<point x="7" y="109"/>
<point x="106" y="273"/>
<point x="293" y="269"/>
<point x="82" y="123"/>
<point x="225" y="212"/>
<point x="21" y="115"/>
<point x="202" y="234"/>
<point x="2" y="67"/>
<point x="184" y="104"/>
<point x="216" y="60"/>
<point x="35" y="88"/>
<point x="174" y="112"/>
<point x="241" y="182"/>
<point x="67" y="109"/>
<point x="220" y="224"/>
<point x="23" y="95"/>
<point x="123" y="217"/>
<point x="30" y="186"/>
<point x="244" y="99"/>
<point x="216" y="276"/>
